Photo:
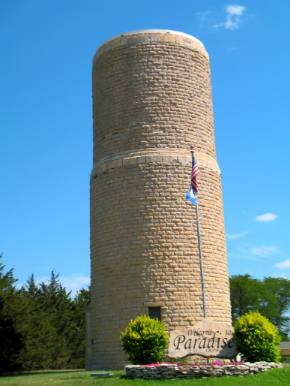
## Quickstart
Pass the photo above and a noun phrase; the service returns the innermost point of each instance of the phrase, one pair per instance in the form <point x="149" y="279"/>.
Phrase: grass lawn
<point x="273" y="377"/>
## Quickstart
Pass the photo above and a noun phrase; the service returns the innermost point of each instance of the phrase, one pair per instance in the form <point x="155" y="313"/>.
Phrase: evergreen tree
<point x="78" y="329"/>
<point x="44" y="325"/>
<point x="41" y="325"/>
<point x="10" y="338"/>
<point x="53" y="325"/>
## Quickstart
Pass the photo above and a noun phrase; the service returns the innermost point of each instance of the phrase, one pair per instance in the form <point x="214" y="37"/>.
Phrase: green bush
<point x="257" y="338"/>
<point x="144" y="340"/>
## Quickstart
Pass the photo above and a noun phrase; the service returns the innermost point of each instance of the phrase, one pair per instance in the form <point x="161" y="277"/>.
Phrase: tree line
<point x="270" y="296"/>
<point x="43" y="327"/>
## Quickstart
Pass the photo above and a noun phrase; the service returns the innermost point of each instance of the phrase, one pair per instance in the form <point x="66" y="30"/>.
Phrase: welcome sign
<point x="207" y="338"/>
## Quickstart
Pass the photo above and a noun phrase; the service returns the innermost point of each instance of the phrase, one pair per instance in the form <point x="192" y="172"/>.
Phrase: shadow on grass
<point x="39" y="372"/>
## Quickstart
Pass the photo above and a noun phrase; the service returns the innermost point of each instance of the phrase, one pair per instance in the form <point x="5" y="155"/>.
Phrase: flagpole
<point x="200" y="262"/>
<point x="200" y="257"/>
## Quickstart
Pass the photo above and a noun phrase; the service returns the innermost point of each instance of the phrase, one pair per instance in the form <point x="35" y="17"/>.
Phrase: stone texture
<point x="168" y="371"/>
<point x="152" y="105"/>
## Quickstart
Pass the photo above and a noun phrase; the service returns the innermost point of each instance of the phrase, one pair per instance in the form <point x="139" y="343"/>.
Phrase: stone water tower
<point x="152" y="106"/>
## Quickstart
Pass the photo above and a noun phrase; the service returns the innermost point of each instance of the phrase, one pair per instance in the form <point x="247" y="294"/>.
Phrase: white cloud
<point x="266" y="217"/>
<point x="264" y="251"/>
<point x="284" y="264"/>
<point x="75" y="282"/>
<point x="234" y="12"/>
<point x="236" y="236"/>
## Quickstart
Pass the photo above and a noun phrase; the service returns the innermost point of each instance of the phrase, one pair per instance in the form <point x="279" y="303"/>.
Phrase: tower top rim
<point x="151" y="35"/>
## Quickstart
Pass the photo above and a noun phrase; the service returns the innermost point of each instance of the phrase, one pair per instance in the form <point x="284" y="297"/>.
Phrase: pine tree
<point x="77" y="331"/>
<point x="10" y="338"/>
<point x="46" y="309"/>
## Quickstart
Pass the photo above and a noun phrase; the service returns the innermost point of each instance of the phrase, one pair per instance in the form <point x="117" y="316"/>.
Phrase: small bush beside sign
<point x="257" y="338"/>
<point x="145" y="340"/>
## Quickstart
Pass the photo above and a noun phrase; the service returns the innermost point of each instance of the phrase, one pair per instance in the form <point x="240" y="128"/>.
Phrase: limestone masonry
<point x="168" y="371"/>
<point x="152" y="106"/>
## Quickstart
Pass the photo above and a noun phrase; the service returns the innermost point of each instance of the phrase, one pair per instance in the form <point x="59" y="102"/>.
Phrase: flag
<point x="191" y="194"/>
<point x="194" y="174"/>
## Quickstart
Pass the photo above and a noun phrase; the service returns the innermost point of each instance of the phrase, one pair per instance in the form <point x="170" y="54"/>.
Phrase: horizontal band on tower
<point x="159" y="156"/>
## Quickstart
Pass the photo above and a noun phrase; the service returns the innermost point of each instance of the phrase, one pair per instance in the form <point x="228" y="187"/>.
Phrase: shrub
<point x="144" y="340"/>
<point x="257" y="338"/>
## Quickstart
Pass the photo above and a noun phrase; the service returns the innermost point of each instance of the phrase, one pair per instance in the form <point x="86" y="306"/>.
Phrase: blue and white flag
<point x="191" y="194"/>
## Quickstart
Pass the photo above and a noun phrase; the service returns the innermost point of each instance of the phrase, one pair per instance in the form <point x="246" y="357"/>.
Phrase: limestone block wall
<point x="152" y="105"/>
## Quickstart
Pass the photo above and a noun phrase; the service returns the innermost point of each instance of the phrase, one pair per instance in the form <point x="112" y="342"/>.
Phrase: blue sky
<point x="46" y="125"/>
